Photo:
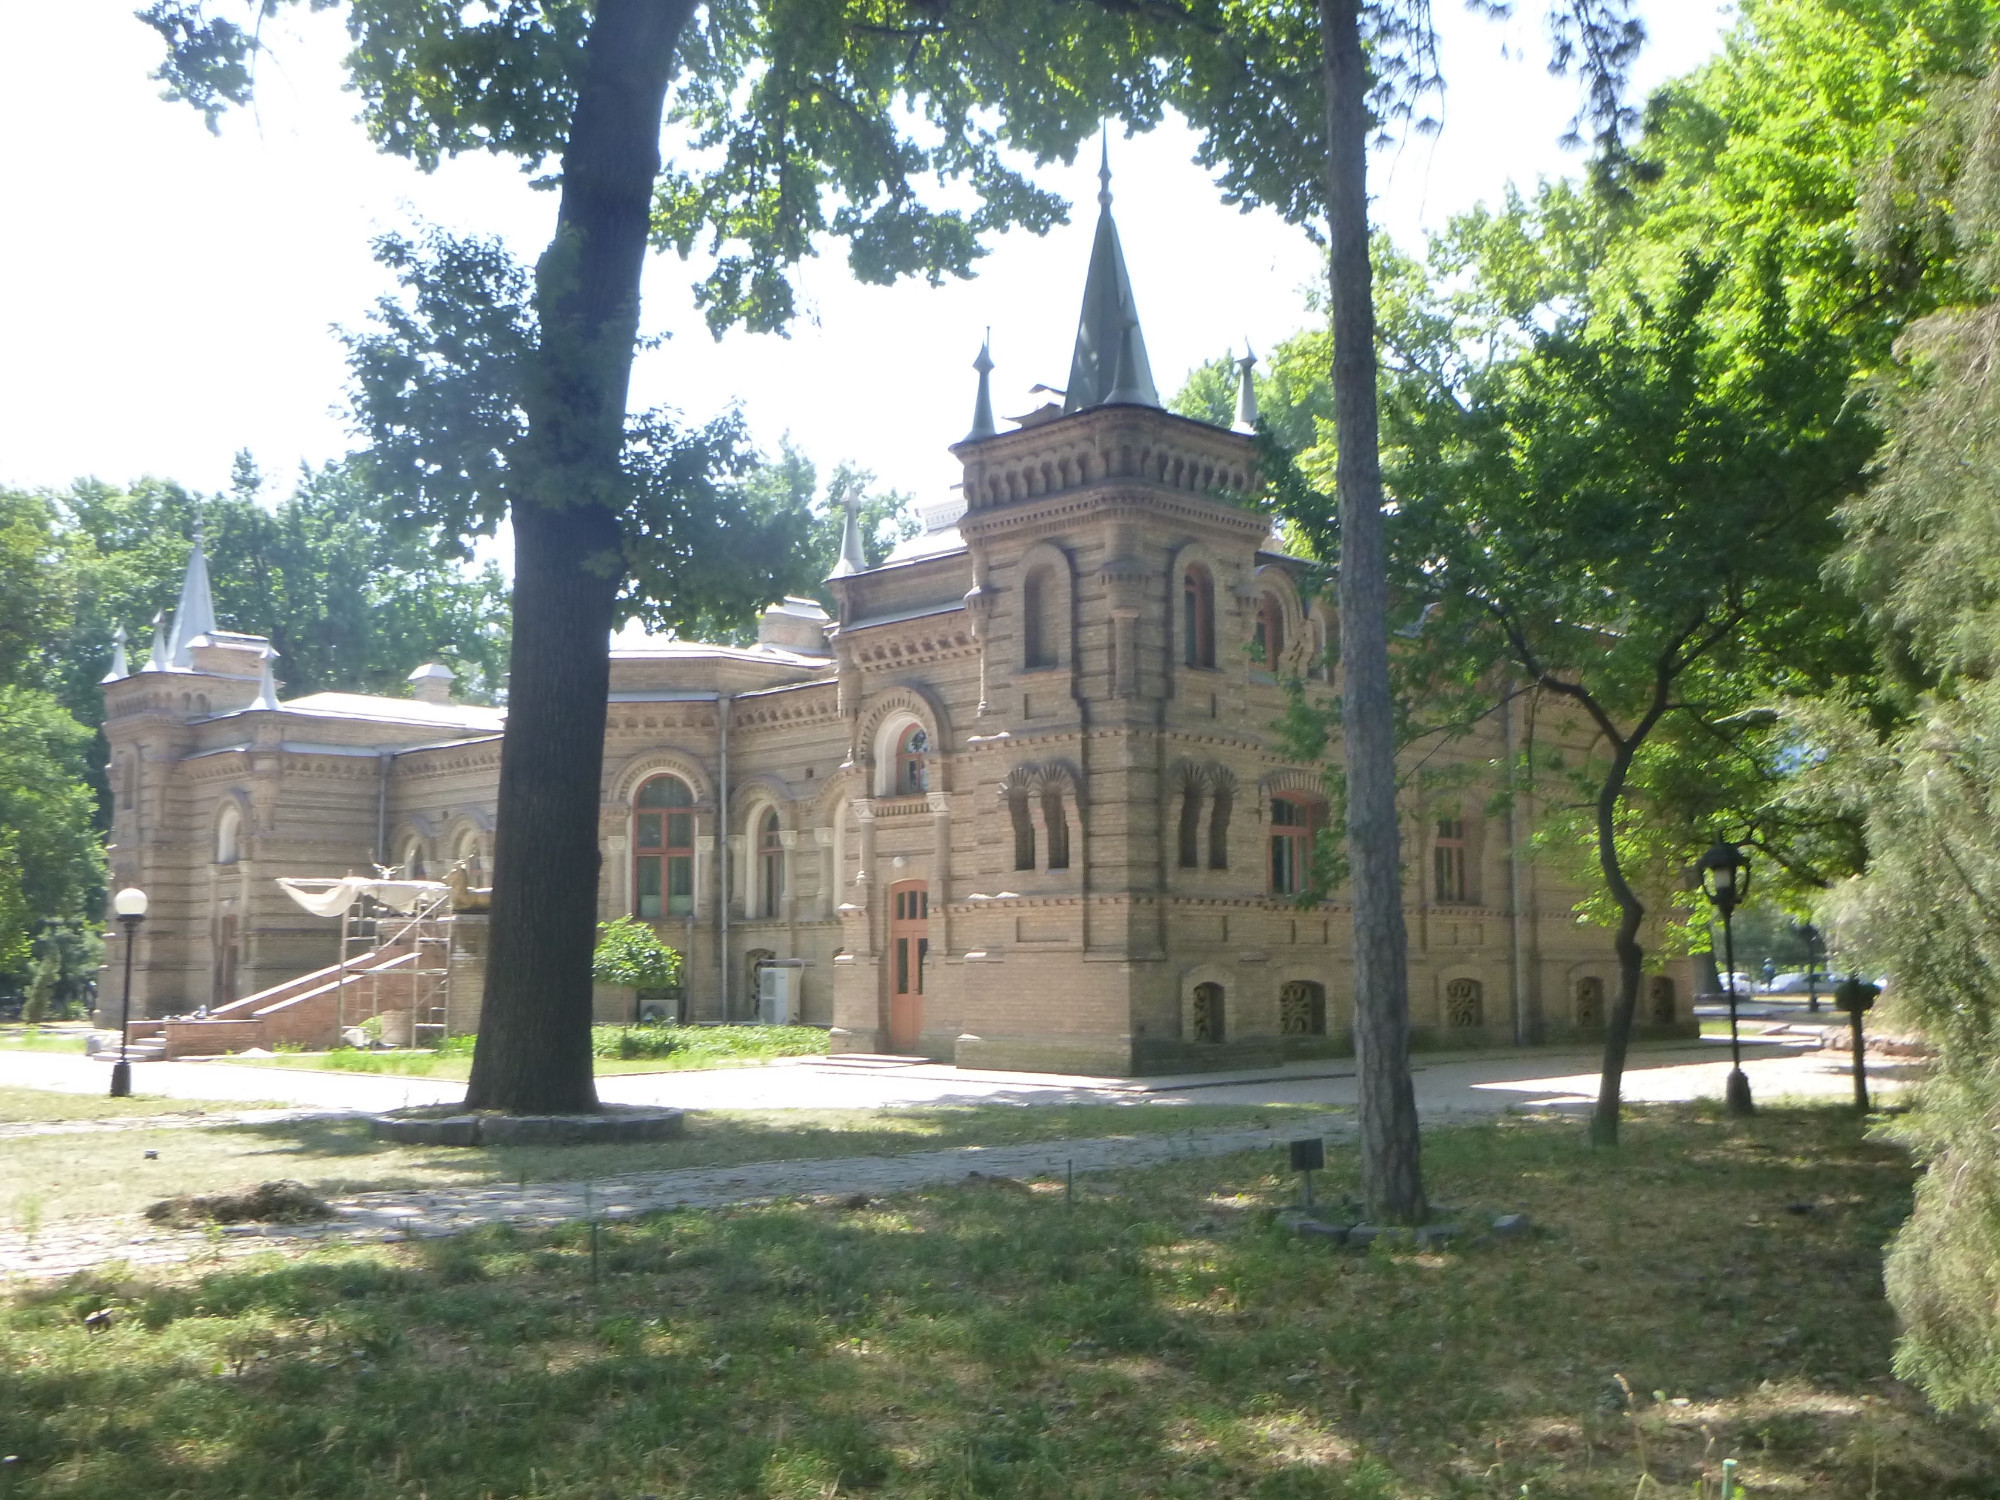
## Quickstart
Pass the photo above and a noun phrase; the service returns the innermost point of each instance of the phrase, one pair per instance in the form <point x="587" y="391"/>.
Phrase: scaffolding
<point x="395" y="961"/>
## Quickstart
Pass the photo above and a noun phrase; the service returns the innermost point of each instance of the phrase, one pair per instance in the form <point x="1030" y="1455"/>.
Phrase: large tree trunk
<point x="1618" y="1025"/>
<point x="1391" y="1169"/>
<point x="534" y="1032"/>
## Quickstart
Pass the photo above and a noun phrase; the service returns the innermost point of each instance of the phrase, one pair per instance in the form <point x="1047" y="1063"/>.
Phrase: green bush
<point x="630" y="954"/>
<point x="699" y="1045"/>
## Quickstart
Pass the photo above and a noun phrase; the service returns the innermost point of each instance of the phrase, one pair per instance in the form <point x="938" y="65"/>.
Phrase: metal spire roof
<point x="267" y="685"/>
<point x="1110" y="360"/>
<point x="119" y="669"/>
<point x="853" y="557"/>
<point x="157" y="662"/>
<point x="982" y="405"/>
<point x="195" y="614"/>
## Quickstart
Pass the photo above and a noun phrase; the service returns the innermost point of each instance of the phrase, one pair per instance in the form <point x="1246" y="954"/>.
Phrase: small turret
<point x="431" y="683"/>
<point x="853" y="557"/>
<point x="1109" y="364"/>
<point x="194" y="616"/>
<point x="1246" y="393"/>
<point x="267" y="684"/>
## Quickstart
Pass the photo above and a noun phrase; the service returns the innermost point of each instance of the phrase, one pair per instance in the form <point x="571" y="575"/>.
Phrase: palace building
<point x="1019" y="804"/>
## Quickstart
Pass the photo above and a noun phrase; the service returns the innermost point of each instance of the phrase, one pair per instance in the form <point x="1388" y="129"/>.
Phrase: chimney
<point x="431" y="683"/>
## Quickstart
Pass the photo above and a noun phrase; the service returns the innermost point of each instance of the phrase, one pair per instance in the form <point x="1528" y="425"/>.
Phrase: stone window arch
<point x="1056" y="820"/>
<point x="1302" y="1008"/>
<point x="229" y="834"/>
<point x="905" y="744"/>
<point x="663" y="848"/>
<point x="470" y="853"/>
<point x="415" y="865"/>
<point x="1190" y="823"/>
<point x="1450" y="861"/>
<point x="1464" y="1004"/>
<point x="1323" y="624"/>
<point x="1222" y="789"/>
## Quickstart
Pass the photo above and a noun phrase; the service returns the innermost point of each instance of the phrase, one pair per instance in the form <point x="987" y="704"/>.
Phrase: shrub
<point x="630" y="954"/>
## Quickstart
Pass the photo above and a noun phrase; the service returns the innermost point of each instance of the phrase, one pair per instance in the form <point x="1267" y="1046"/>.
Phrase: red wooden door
<point x="909" y="946"/>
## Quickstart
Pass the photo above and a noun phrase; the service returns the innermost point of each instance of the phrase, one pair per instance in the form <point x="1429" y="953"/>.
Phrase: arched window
<point x="1208" y="1018"/>
<point x="1024" y="829"/>
<point x="228" y="836"/>
<point x="1190" y="841"/>
<point x="663" y="849"/>
<point x="770" y="865"/>
<point x="1041" y="626"/>
<point x="1291" y="845"/>
<point x="913" y="747"/>
<point x="1269" y="639"/>
<point x="1448" y="867"/>
<point x="1218" y="826"/>
<point x="469" y="855"/>
<point x="414" y="867"/>
<point x="1198" y="617"/>
<point x="1058" y="825"/>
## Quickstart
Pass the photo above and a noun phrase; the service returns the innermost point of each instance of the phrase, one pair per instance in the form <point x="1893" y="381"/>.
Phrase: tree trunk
<point x="1391" y="1169"/>
<point x="1618" y="1025"/>
<point x="533" y="1054"/>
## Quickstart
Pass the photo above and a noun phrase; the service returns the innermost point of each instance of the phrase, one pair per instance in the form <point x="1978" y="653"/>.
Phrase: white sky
<point x="170" y="296"/>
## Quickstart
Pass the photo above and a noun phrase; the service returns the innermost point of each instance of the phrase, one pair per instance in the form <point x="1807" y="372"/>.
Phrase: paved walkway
<point x="1490" y="1080"/>
<point x="377" y="1217"/>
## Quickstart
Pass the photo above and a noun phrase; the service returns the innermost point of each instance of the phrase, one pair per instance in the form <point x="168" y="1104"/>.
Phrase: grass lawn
<point x="1157" y="1338"/>
<point x="48" y="1178"/>
<point x="652" y="1049"/>
<point x="16" y="1037"/>
<point x="21" y="1105"/>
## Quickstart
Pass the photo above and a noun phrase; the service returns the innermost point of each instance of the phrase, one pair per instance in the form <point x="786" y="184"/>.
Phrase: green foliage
<point x="707" y="1046"/>
<point x="51" y="860"/>
<point x="1925" y="553"/>
<point x="441" y="379"/>
<point x="630" y="953"/>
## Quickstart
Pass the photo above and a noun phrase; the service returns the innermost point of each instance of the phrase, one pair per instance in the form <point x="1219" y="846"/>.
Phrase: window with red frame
<point x="663" y="849"/>
<point x="1270" y="632"/>
<point x="1292" y="826"/>
<point x="1448" y="882"/>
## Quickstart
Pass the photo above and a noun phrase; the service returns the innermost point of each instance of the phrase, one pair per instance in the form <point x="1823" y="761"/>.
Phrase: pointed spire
<point x="158" y="661"/>
<point x="982" y="405"/>
<point x="267" y="685"/>
<point x="195" y="614"/>
<point x="1246" y="392"/>
<point x="1110" y="360"/>
<point x="853" y="559"/>
<point x="119" y="670"/>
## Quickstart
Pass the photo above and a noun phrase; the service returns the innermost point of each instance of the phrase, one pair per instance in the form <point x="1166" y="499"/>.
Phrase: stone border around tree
<point x="448" y="1125"/>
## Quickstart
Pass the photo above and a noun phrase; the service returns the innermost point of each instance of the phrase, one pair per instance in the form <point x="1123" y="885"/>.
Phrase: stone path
<point x="368" y="1218"/>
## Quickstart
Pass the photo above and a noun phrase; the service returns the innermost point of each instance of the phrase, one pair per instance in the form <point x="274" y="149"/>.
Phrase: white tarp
<point x="329" y="898"/>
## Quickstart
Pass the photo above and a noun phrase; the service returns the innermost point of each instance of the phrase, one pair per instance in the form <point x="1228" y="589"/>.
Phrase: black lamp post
<point x="1725" y="877"/>
<point x="1808" y="934"/>
<point x="130" y="907"/>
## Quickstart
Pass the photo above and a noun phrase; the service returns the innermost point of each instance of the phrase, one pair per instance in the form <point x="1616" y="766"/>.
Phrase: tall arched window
<point x="663" y="849"/>
<point x="1190" y="840"/>
<point x="1058" y="826"/>
<point x="228" y="836"/>
<point x="1041" y="629"/>
<point x="414" y="866"/>
<point x="1291" y="845"/>
<point x="1024" y="829"/>
<point x="770" y="864"/>
<point x="913" y="748"/>
<point x="1198" y="617"/>
<point x="1269" y="638"/>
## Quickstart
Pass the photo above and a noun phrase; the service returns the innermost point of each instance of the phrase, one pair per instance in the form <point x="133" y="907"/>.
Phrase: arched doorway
<point x="909" y="947"/>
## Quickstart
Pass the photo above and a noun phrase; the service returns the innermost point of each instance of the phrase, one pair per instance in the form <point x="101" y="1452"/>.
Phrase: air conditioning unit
<point x="777" y="994"/>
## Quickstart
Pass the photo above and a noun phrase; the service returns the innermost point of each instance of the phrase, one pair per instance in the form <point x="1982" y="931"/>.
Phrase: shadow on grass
<point x="1156" y="1335"/>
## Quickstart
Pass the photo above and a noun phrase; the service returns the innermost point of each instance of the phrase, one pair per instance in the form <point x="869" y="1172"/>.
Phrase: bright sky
<point x="172" y="296"/>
